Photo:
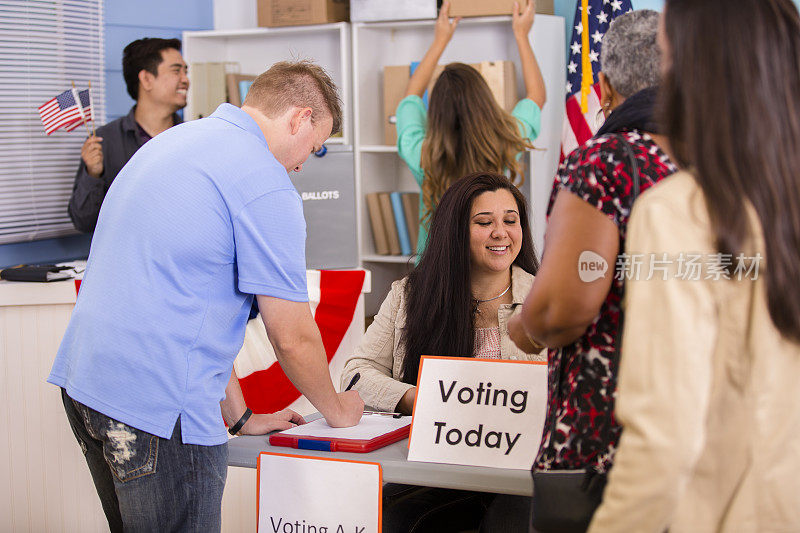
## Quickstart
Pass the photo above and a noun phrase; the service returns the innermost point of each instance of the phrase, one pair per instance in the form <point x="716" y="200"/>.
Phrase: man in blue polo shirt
<point x="202" y="218"/>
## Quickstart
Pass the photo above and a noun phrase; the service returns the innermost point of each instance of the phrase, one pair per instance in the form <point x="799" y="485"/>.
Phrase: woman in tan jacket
<point x="473" y="276"/>
<point x="711" y="349"/>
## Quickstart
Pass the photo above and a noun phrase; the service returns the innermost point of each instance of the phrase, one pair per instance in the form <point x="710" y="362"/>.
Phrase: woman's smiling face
<point x="495" y="231"/>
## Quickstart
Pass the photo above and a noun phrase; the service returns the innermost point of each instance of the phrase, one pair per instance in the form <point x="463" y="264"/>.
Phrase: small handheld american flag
<point x="66" y="111"/>
<point x="85" y="98"/>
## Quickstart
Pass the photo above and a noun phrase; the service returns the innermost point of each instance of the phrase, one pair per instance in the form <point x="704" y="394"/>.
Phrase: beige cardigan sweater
<point x="708" y="389"/>
<point x="379" y="356"/>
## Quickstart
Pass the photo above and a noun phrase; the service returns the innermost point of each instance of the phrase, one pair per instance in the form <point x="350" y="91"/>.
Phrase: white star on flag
<point x="597" y="36"/>
<point x="572" y="67"/>
<point x="579" y="28"/>
<point x="593" y="56"/>
<point x="576" y="48"/>
<point x="616" y="4"/>
<point x="588" y="9"/>
<point x="569" y="87"/>
<point x="602" y="18"/>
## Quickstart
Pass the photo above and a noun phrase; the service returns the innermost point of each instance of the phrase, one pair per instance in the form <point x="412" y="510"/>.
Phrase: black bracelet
<point x="233" y="430"/>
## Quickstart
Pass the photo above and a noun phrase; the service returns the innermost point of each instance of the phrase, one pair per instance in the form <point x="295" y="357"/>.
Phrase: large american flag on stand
<point x="592" y="19"/>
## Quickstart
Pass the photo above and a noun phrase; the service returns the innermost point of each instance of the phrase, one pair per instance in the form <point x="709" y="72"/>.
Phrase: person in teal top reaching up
<point x="465" y="130"/>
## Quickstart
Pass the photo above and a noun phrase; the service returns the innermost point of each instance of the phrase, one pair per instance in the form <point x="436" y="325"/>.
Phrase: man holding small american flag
<point x="156" y="77"/>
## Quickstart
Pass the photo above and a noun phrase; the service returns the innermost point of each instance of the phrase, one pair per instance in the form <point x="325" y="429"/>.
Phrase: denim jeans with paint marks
<point x="147" y="483"/>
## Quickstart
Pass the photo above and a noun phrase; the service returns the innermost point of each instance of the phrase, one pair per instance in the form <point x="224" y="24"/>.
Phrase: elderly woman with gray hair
<point x="574" y="305"/>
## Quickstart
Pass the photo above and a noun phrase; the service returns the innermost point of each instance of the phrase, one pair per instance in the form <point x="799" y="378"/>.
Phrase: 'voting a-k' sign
<point x="298" y="494"/>
<point x="478" y="412"/>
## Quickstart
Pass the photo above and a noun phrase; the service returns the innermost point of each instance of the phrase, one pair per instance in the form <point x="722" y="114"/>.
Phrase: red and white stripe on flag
<point x="87" y="112"/>
<point x="333" y="296"/>
<point x="580" y="127"/>
<point x="59" y="111"/>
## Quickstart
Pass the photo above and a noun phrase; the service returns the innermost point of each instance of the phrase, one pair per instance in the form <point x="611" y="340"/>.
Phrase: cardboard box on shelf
<point x="207" y="88"/>
<point x="379" y="10"/>
<point x="234" y="84"/>
<point x="301" y="12"/>
<point x="485" y="8"/>
<point x="395" y="80"/>
<point x="499" y="76"/>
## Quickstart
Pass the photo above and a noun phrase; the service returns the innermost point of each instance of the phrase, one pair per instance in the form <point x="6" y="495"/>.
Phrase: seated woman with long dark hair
<point x="472" y="277"/>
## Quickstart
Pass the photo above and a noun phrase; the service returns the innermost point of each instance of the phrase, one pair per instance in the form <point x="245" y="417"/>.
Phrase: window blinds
<point x="45" y="45"/>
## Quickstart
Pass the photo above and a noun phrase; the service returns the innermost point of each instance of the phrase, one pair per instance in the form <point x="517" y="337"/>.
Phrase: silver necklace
<point x="477" y="302"/>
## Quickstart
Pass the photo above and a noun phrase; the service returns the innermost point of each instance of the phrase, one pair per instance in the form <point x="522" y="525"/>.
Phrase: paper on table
<point x="368" y="428"/>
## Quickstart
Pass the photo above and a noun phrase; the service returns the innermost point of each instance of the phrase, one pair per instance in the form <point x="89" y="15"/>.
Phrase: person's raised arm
<point x="443" y="32"/>
<point x="298" y="346"/>
<point x="560" y="305"/>
<point x="521" y="24"/>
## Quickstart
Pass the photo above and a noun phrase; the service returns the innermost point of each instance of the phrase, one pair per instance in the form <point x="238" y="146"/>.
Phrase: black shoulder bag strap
<point x="634" y="166"/>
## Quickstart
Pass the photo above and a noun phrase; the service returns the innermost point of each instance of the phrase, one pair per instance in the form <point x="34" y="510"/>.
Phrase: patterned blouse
<point x="487" y="343"/>
<point x="580" y="389"/>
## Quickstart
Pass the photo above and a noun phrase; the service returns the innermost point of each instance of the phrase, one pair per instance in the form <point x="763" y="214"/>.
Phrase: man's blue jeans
<point x="147" y="483"/>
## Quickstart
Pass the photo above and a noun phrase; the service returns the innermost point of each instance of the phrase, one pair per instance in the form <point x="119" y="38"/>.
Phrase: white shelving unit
<point x="256" y="49"/>
<point x="378" y="168"/>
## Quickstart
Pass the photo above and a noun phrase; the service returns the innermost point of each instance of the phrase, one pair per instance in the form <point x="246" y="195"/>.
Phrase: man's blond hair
<point x="299" y="84"/>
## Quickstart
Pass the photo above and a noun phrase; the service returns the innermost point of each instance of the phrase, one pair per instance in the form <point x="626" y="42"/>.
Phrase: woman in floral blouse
<point x="577" y="313"/>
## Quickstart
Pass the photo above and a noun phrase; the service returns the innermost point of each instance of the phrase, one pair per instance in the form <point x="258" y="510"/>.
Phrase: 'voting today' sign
<point x="478" y="412"/>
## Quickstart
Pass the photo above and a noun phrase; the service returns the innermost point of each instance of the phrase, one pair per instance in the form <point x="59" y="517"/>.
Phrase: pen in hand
<point x="353" y="381"/>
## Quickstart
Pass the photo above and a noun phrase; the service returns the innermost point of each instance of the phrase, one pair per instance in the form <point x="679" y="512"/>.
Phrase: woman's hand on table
<point x="406" y="403"/>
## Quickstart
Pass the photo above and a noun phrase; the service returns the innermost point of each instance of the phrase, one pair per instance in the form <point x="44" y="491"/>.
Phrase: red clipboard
<point x="339" y="445"/>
